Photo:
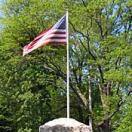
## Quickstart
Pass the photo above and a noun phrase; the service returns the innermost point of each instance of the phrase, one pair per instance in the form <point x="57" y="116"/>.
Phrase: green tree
<point x="101" y="54"/>
<point x="33" y="88"/>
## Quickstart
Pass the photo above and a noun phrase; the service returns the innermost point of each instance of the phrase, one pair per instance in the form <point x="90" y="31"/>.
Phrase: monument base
<point x="64" y="125"/>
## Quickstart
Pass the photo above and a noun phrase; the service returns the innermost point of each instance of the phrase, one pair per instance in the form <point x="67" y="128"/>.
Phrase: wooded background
<point x="33" y="87"/>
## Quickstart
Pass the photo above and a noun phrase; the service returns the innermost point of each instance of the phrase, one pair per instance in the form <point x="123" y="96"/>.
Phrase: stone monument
<point x="64" y="125"/>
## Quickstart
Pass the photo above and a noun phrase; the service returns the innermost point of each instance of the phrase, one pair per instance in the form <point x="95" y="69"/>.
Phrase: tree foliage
<point x="33" y="88"/>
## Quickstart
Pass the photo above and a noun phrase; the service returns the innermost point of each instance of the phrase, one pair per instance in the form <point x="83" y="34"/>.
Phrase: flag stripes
<point x="55" y="35"/>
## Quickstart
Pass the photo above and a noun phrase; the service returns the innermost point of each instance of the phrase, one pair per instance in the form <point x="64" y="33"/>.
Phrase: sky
<point x="0" y="12"/>
<point x="0" y="5"/>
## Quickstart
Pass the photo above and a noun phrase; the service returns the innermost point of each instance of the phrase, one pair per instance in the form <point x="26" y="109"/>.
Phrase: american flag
<point x="55" y="35"/>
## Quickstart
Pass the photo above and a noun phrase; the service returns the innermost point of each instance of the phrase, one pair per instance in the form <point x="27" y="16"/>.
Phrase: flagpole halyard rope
<point x="68" y="96"/>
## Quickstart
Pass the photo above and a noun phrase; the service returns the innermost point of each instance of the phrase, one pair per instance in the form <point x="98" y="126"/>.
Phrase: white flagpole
<point x="90" y="104"/>
<point x="68" y="96"/>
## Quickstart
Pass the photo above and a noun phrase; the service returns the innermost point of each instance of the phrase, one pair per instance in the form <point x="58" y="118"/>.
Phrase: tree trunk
<point x="105" y="126"/>
<point x="105" y="91"/>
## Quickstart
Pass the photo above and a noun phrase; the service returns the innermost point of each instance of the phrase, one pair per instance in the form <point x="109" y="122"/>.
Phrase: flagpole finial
<point x="67" y="12"/>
